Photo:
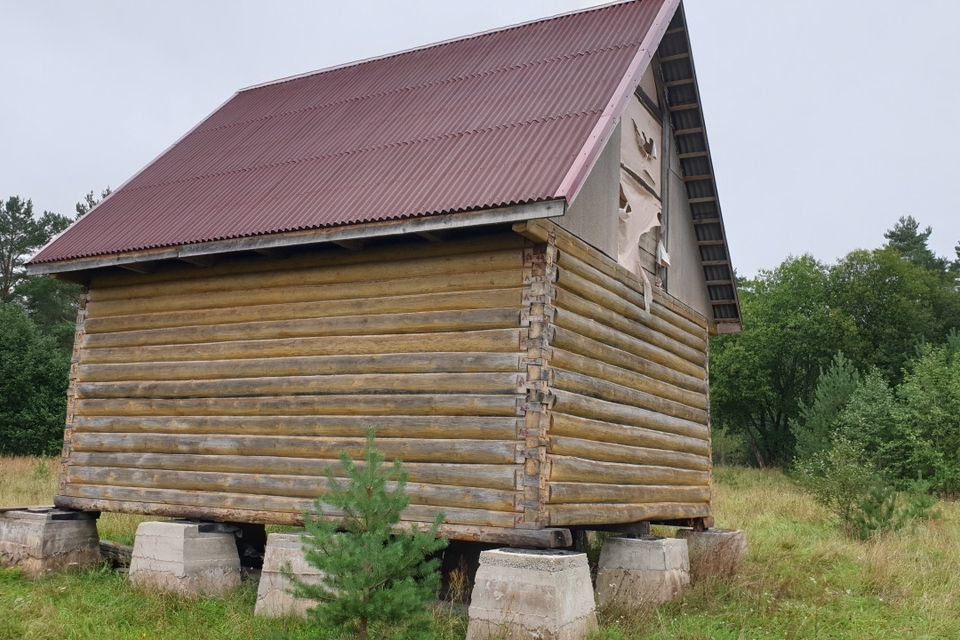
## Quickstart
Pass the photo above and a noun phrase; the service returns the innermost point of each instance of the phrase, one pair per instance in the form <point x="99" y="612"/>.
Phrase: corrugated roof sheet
<point x="485" y="121"/>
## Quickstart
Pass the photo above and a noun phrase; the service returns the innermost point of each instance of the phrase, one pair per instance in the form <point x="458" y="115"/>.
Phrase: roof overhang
<point x="333" y="235"/>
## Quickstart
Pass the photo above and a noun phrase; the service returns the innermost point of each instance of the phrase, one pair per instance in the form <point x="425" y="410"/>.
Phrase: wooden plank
<point x="348" y="404"/>
<point x="494" y="476"/>
<point x="569" y="469"/>
<point x="562" y="424"/>
<point x="459" y="300"/>
<point x="594" y="493"/>
<point x="597" y="409"/>
<point x="371" y="383"/>
<point x="291" y="486"/>
<point x="612" y="392"/>
<point x="505" y="279"/>
<point x="490" y="340"/>
<point x="575" y="514"/>
<point x="470" y="320"/>
<point x="451" y="451"/>
<point x="571" y="341"/>
<point x="429" y="426"/>
<point x="617" y="452"/>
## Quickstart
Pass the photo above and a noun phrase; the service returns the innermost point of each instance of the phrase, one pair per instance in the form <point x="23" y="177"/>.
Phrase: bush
<point x="815" y="426"/>
<point x="374" y="575"/>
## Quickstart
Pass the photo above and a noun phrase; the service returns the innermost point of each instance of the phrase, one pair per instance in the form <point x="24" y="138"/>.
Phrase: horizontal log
<point x="562" y="424"/>
<point x="678" y="314"/>
<point x="593" y="493"/>
<point x="615" y="452"/>
<point x="291" y="486"/>
<point x="494" y="476"/>
<point x="597" y="409"/>
<point x="235" y="501"/>
<point x="424" y="322"/>
<point x="374" y="383"/>
<point x="546" y="538"/>
<point x="602" y="333"/>
<point x="572" y="341"/>
<point x="493" y="340"/>
<point x="592" y="366"/>
<point x="302" y="366"/>
<point x="612" y="392"/>
<point x="351" y="404"/>
<point x="614" y="320"/>
<point x="505" y="279"/>
<point x="568" y="469"/>
<point x="306" y="258"/>
<point x="407" y="449"/>
<point x="458" y="300"/>
<point x="587" y="514"/>
<point x="430" y="426"/>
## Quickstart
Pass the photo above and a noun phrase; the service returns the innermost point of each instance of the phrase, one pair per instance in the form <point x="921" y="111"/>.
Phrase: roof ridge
<point x="432" y="45"/>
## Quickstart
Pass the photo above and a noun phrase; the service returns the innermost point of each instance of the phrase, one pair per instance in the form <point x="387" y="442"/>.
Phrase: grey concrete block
<point x="42" y="540"/>
<point x="179" y="557"/>
<point x="274" y="599"/>
<point x="635" y="572"/>
<point x="716" y="553"/>
<point x="526" y="594"/>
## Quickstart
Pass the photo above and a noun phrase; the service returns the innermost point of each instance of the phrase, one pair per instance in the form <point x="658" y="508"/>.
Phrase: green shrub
<point x="814" y="427"/>
<point x="375" y="576"/>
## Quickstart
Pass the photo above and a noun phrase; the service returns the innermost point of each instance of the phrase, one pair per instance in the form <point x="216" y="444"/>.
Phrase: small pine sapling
<point x="374" y="575"/>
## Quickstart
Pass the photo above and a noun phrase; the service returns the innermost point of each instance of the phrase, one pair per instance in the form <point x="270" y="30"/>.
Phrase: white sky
<point x="827" y="119"/>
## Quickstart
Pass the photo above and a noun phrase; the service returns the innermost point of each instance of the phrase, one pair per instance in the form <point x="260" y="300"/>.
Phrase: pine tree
<point x="375" y="575"/>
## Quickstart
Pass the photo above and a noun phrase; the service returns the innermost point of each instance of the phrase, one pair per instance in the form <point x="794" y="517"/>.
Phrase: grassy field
<point x="803" y="579"/>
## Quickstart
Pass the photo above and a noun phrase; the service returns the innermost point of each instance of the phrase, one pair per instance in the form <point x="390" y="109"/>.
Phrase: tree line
<point x="37" y="317"/>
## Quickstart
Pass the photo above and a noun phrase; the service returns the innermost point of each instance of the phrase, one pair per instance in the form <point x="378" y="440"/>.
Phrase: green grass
<point x="803" y="579"/>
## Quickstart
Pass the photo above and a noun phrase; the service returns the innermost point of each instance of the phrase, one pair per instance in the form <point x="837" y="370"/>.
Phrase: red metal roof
<point x="506" y="117"/>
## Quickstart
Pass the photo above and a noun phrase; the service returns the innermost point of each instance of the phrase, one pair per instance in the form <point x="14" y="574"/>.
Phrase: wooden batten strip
<point x="495" y="476"/>
<point x="291" y="486"/>
<point x="345" y="404"/>
<point x="490" y="340"/>
<point x="596" y="409"/>
<point x="312" y="257"/>
<point x="137" y="497"/>
<point x="562" y="424"/>
<point x="594" y="493"/>
<point x="617" y="452"/>
<point x="620" y="394"/>
<point x="303" y="366"/>
<point x="593" y="513"/>
<point x="408" y="449"/>
<point x="570" y="469"/>
<point x="458" y="300"/>
<point x="428" y="284"/>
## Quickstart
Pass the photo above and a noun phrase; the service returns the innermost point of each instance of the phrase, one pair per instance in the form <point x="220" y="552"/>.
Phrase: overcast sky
<point x="827" y="119"/>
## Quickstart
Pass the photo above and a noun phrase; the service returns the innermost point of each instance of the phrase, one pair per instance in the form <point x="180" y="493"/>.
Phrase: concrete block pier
<point x="274" y="599"/>
<point x="530" y="594"/>
<point x="715" y="553"/>
<point x="635" y="572"/>
<point x="189" y="558"/>
<point x="43" y="540"/>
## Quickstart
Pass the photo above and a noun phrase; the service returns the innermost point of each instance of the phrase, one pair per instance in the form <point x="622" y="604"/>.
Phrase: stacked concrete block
<point x="187" y="558"/>
<point x="715" y="553"/>
<point x="42" y="540"/>
<point x="526" y="594"/>
<point x="284" y="553"/>
<point x="635" y="572"/>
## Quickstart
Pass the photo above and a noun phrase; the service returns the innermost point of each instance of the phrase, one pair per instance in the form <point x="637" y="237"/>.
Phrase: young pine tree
<point x="374" y="574"/>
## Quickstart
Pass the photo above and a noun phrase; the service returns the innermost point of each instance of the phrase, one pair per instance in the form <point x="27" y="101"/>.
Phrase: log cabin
<point x="505" y="253"/>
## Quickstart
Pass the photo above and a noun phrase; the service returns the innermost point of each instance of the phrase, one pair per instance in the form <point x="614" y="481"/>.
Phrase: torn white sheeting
<point x="640" y="214"/>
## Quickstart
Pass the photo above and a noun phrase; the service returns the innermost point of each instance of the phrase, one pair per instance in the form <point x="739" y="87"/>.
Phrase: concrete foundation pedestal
<point x="522" y="594"/>
<point x="42" y="540"/>
<point x="274" y="599"/>
<point x="717" y="553"/>
<point x="188" y="558"/>
<point x="634" y="572"/>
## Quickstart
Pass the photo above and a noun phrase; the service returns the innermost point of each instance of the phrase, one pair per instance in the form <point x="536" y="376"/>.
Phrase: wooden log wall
<point x="623" y="415"/>
<point x="229" y="391"/>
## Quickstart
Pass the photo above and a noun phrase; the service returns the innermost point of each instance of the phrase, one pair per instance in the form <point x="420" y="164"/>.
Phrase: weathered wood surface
<point x="236" y="387"/>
